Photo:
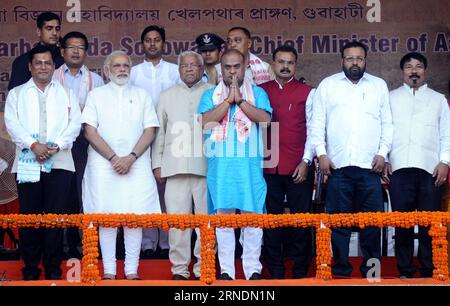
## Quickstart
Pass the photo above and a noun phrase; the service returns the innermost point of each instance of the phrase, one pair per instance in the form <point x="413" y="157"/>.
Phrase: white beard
<point x="119" y="80"/>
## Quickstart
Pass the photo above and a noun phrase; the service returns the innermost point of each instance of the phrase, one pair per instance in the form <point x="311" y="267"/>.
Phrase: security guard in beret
<point x="210" y="47"/>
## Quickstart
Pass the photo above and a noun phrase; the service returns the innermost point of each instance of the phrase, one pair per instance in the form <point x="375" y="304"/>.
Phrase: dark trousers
<point x="49" y="195"/>
<point x="299" y="240"/>
<point x="413" y="189"/>
<point x="353" y="189"/>
<point x="79" y="154"/>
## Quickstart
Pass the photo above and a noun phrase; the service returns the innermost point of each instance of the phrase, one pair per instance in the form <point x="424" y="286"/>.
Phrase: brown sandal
<point x="132" y="277"/>
<point x="108" y="276"/>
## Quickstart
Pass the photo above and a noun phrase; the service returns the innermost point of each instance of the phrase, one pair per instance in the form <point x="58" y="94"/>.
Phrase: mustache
<point x="285" y="70"/>
<point x="414" y="75"/>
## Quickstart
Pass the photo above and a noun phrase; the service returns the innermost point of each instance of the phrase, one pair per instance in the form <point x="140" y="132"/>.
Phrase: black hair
<point x="354" y="44"/>
<point x="39" y="49"/>
<point x="285" y="48"/>
<point x="230" y="51"/>
<point x="74" y="34"/>
<point x="160" y="30"/>
<point x="245" y="30"/>
<point x="46" y="16"/>
<point x="413" y="55"/>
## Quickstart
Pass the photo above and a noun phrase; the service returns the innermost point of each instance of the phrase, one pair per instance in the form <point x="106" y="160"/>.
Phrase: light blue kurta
<point x="235" y="175"/>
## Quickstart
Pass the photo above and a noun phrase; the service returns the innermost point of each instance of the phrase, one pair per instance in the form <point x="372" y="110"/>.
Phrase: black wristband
<point x="134" y="154"/>
<point x="114" y="155"/>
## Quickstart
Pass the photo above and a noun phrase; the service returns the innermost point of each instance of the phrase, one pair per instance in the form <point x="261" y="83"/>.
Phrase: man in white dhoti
<point x="119" y="121"/>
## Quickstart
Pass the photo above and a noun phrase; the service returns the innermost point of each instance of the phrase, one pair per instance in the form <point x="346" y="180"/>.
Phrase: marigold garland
<point x="323" y="250"/>
<point x="208" y="256"/>
<point x="90" y="273"/>
<point x="208" y="223"/>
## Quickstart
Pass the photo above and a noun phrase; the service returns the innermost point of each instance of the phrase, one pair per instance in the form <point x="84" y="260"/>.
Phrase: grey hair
<point x="110" y="58"/>
<point x="186" y="53"/>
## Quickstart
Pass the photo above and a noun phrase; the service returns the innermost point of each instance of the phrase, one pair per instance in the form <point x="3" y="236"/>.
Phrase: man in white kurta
<point x="154" y="75"/>
<point x="119" y="121"/>
<point x="419" y="159"/>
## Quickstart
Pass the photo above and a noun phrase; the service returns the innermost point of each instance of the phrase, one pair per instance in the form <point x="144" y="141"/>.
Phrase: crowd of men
<point x="188" y="138"/>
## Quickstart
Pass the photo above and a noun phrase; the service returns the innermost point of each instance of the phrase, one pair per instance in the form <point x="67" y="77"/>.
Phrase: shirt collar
<point x="343" y="76"/>
<point x="67" y="71"/>
<point x="194" y="86"/>
<point x="32" y="84"/>
<point x="419" y="90"/>
<point x="281" y="86"/>
<point x="159" y="65"/>
<point x="116" y="87"/>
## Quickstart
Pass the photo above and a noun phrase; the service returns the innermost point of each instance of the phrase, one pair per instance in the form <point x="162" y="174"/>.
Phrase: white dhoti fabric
<point x="185" y="194"/>
<point x="132" y="237"/>
<point x="251" y="241"/>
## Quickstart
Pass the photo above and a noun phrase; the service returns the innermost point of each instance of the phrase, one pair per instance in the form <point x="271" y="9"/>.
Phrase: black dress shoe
<point x="53" y="277"/>
<point x="179" y="277"/>
<point x="277" y="276"/>
<point x="225" y="276"/>
<point x="255" y="276"/>
<point x="164" y="254"/>
<point x="31" y="277"/>
<point x="148" y="254"/>
<point x="31" y="274"/>
<point x="299" y="275"/>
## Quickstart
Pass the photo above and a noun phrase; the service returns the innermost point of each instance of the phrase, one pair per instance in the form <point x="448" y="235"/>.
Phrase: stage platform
<point x="156" y="272"/>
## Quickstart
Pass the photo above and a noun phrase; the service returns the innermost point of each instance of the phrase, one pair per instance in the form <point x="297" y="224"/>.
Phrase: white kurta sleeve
<point x="150" y="118"/>
<point x="72" y="131"/>
<point x="444" y="132"/>
<point x="387" y="128"/>
<point x="158" y="144"/>
<point x="18" y="133"/>
<point x="89" y="115"/>
<point x="309" y="149"/>
<point x="319" y="119"/>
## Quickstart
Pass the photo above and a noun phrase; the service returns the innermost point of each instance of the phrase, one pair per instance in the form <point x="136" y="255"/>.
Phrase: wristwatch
<point x="307" y="161"/>
<point x="134" y="154"/>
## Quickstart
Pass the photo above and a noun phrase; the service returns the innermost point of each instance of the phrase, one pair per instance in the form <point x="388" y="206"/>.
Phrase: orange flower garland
<point x="208" y="267"/>
<point x="438" y="234"/>
<point x="208" y="223"/>
<point x="90" y="273"/>
<point x="323" y="249"/>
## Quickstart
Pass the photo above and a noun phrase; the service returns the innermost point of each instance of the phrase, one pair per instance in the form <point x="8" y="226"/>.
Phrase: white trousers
<point x="251" y="241"/>
<point x="132" y="237"/>
<point x="185" y="194"/>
